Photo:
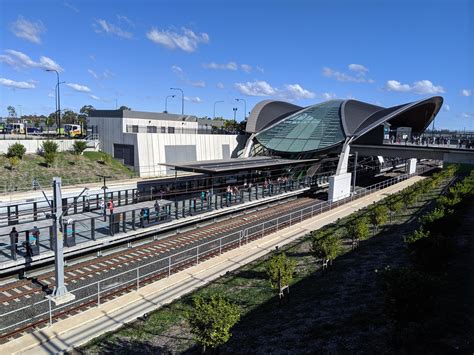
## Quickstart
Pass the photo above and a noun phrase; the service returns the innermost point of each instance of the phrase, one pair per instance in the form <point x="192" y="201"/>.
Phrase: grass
<point x="339" y="311"/>
<point x="74" y="169"/>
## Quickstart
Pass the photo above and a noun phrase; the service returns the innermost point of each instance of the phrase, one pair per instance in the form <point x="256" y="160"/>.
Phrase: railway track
<point x="28" y="291"/>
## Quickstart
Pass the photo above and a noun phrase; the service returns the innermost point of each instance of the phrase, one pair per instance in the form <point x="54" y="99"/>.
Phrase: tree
<point x="69" y="117"/>
<point x="379" y="216"/>
<point x="11" y="112"/>
<point x="50" y="150"/>
<point x="125" y="108"/>
<point x="49" y="121"/>
<point x="358" y="230"/>
<point x="231" y="125"/>
<point x="212" y="319"/>
<point x="14" y="161"/>
<point x="325" y="247"/>
<point x="17" y="150"/>
<point x="280" y="271"/>
<point x="79" y="147"/>
<point x="84" y="113"/>
<point x="395" y="206"/>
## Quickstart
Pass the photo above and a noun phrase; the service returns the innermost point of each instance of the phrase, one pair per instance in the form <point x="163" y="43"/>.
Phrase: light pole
<point x="105" y="194"/>
<point x="182" y="99"/>
<point x="58" y="102"/>
<point x="245" y="107"/>
<point x="166" y="102"/>
<point x="214" y="113"/>
<point x="235" y="112"/>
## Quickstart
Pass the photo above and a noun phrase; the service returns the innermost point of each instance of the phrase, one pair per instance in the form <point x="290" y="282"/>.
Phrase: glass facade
<point x="314" y="128"/>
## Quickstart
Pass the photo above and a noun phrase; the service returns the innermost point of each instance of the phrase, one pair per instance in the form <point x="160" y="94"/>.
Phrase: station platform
<point x="76" y="330"/>
<point x="91" y="232"/>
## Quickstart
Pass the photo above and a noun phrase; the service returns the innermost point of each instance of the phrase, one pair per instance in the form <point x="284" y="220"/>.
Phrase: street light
<point x="214" y="114"/>
<point x="105" y="194"/>
<point x="182" y="99"/>
<point x="245" y="107"/>
<point x="58" y="102"/>
<point x="166" y="102"/>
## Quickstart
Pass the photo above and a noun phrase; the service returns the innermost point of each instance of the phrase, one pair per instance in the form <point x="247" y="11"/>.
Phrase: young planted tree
<point x="358" y="229"/>
<point x="17" y="150"/>
<point x="211" y="320"/>
<point x="50" y="150"/>
<point x="325" y="247"/>
<point x="280" y="271"/>
<point x="379" y="217"/>
<point x="14" y="161"/>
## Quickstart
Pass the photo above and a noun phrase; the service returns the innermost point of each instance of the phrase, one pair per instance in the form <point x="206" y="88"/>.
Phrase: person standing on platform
<point x="110" y="206"/>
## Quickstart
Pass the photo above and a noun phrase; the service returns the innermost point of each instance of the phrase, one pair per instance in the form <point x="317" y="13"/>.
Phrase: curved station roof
<point x="287" y="128"/>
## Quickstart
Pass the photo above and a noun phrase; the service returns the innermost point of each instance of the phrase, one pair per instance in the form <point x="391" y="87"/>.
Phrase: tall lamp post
<point x="104" y="210"/>
<point x="166" y="102"/>
<point x="214" y="112"/>
<point x="182" y="99"/>
<point x="58" y="102"/>
<point x="245" y="107"/>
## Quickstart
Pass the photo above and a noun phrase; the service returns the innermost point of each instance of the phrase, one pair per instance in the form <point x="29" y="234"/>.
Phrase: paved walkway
<point x="79" y="329"/>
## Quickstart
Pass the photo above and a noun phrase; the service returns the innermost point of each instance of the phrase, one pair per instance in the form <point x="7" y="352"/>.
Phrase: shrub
<point x="358" y="230"/>
<point x="50" y="150"/>
<point x="79" y="147"/>
<point x="17" y="150"/>
<point x="379" y="216"/>
<point x="280" y="270"/>
<point x="14" y="161"/>
<point x="211" y="320"/>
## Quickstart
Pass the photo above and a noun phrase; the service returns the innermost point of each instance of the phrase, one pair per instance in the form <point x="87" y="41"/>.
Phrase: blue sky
<point x="132" y="52"/>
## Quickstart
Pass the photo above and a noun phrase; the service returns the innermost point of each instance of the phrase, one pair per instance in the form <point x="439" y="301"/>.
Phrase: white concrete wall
<point x="34" y="145"/>
<point x="151" y="148"/>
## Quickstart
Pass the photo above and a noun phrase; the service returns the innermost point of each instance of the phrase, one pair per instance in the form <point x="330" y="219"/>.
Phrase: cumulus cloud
<point x="255" y="88"/>
<point x="19" y="60"/>
<point x="225" y="66"/>
<point x="359" y="76"/>
<point x="16" y="84"/>
<point x="29" y="30"/>
<point x="195" y="99"/>
<point x="295" y="91"/>
<point x="187" y="40"/>
<point x="102" y="26"/>
<point x="220" y="85"/>
<point x="328" y="95"/>
<point x="466" y="92"/>
<point x="78" y="87"/>
<point x="262" y="88"/>
<point x="422" y="87"/>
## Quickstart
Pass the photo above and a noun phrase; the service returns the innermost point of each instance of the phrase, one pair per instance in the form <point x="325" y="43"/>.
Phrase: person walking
<point x="110" y="206"/>
<point x="14" y="239"/>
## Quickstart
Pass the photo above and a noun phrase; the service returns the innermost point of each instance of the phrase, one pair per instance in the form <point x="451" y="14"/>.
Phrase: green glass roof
<point x="314" y="128"/>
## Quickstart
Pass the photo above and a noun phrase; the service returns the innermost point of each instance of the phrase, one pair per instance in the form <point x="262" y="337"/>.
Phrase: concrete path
<point x="80" y="329"/>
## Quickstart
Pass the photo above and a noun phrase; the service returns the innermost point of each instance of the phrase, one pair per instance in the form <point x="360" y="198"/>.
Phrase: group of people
<point x="434" y="140"/>
<point x="33" y="239"/>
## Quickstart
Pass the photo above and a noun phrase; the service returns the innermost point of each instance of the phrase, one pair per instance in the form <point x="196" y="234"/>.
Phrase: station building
<point x="145" y="140"/>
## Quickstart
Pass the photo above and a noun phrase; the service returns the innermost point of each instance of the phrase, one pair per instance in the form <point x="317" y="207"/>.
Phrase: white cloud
<point x="16" y="84"/>
<point x="125" y="19"/>
<point x="187" y="40"/>
<point x="78" y="87"/>
<point x="220" y="85"/>
<point x="28" y="30"/>
<point x="18" y="60"/>
<point x="359" y="77"/>
<point x="94" y="97"/>
<point x="447" y="108"/>
<point x="328" y="95"/>
<point x="177" y="70"/>
<point x="422" y="87"/>
<point x="260" y="69"/>
<point x="466" y="92"/>
<point x="295" y="91"/>
<point x="256" y="88"/>
<point x="195" y="99"/>
<point x="225" y="66"/>
<point x="102" y="26"/>
<point x="93" y="73"/>
<point x="358" y="68"/>
<point x="73" y="8"/>
<point x="246" y="68"/>
<point x="198" y="84"/>
<point x="467" y="115"/>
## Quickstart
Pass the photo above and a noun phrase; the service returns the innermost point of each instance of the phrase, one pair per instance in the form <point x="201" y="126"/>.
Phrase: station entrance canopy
<point x="214" y="167"/>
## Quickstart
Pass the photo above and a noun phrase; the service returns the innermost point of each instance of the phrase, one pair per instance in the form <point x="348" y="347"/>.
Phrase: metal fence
<point x="45" y="312"/>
